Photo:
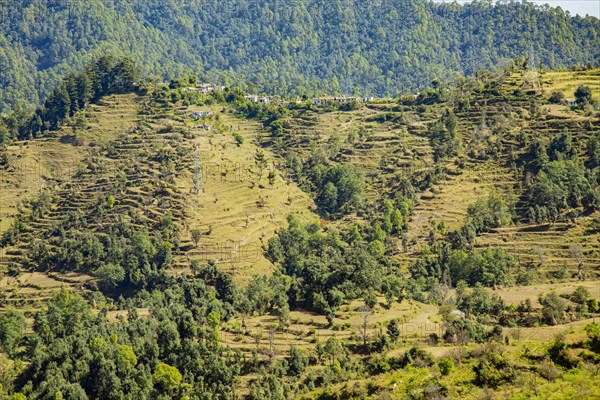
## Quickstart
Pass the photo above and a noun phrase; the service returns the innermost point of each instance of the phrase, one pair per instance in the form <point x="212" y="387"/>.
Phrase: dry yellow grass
<point x="448" y="200"/>
<point x="568" y="81"/>
<point x="41" y="163"/>
<point x="517" y="294"/>
<point x="417" y="322"/>
<point x="47" y="164"/>
<point x="550" y="247"/>
<point x="238" y="210"/>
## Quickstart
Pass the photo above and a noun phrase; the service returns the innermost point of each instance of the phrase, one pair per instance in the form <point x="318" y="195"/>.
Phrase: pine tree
<point x="393" y="330"/>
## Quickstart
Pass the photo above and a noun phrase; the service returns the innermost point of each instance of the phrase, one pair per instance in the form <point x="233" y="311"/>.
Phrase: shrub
<point x="548" y="371"/>
<point x="461" y="330"/>
<point x="446" y="365"/>
<point x="593" y="334"/>
<point x="559" y="353"/>
<point x="557" y="98"/>
<point x="418" y="358"/>
<point x="239" y="139"/>
<point x="493" y="370"/>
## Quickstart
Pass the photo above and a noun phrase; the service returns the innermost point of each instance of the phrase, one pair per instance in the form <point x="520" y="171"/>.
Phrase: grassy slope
<point x="241" y="210"/>
<point x="230" y="207"/>
<point x="568" y="81"/>
<point x="401" y="148"/>
<point x="238" y="205"/>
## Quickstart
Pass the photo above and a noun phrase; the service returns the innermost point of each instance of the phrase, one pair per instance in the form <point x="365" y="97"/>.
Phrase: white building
<point x="201" y="114"/>
<point x="205" y="87"/>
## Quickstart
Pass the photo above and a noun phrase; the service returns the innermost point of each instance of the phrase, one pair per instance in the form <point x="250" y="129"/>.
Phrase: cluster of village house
<point x="318" y="101"/>
<point x="204" y="88"/>
<point x="325" y="101"/>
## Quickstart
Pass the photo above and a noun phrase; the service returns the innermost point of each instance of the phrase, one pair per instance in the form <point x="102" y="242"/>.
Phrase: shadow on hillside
<point x="544" y="228"/>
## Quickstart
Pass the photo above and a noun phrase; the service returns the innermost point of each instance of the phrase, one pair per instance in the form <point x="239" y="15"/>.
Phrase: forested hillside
<point x="160" y="242"/>
<point x="285" y="47"/>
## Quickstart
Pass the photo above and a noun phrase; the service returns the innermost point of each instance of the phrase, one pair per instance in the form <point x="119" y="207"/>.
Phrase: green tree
<point x="83" y="90"/>
<point x="538" y="154"/>
<point x="592" y="305"/>
<point x="298" y="361"/>
<point x="377" y="233"/>
<point x="580" y="295"/>
<point x="12" y="327"/>
<point x="593" y="333"/>
<point x="329" y="197"/>
<point x="57" y="107"/>
<point x="376" y="248"/>
<point x="196" y="236"/>
<point x="583" y="95"/>
<point x="125" y="358"/>
<point x="553" y="307"/>
<point x="167" y="377"/>
<point x="340" y="185"/>
<point x="111" y="275"/>
<point x="397" y="220"/>
<point x="333" y="348"/>
<point x="593" y="151"/>
<point x="371" y="300"/>
<point x="393" y="330"/>
<point x="260" y="160"/>
<point x="67" y="313"/>
<point x="557" y="97"/>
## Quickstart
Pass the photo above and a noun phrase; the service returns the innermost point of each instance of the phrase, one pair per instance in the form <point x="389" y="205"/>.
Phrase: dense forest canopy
<point x="306" y="46"/>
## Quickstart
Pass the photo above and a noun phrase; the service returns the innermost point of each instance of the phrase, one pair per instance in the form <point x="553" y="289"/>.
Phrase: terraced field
<point x="568" y="81"/>
<point x="399" y="147"/>
<point x="239" y="208"/>
<point x="122" y="154"/>
<point x="238" y="204"/>
<point x="225" y="183"/>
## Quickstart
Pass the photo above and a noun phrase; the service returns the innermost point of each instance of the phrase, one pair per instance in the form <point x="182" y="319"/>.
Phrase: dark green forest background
<point x="383" y="47"/>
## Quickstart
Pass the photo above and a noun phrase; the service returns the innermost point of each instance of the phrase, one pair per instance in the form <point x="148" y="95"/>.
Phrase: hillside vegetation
<point x="281" y="47"/>
<point x="444" y="245"/>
